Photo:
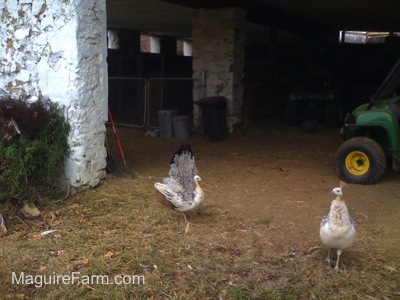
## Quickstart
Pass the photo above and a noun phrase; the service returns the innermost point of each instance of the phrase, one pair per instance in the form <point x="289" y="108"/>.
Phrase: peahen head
<point x="197" y="178"/>
<point x="337" y="191"/>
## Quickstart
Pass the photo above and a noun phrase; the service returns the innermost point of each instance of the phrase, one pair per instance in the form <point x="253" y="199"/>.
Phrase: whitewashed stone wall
<point x="218" y="58"/>
<point x="57" y="49"/>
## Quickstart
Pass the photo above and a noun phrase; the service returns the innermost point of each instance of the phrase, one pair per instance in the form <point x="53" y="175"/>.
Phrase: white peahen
<point x="181" y="190"/>
<point x="338" y="228"/>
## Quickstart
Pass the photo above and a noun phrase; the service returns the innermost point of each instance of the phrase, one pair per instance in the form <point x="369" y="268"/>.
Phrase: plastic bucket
<point x="181" y="127"/>
<point x="165" y="122"/>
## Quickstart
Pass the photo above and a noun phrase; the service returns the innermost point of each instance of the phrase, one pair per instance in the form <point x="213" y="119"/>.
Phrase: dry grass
<point x="119" y="228"/>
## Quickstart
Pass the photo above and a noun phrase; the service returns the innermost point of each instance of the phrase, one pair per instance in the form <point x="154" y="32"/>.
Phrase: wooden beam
<point x="206" y="4"/>
<point x="273" y="17"/>
<point x="269" y="16"/>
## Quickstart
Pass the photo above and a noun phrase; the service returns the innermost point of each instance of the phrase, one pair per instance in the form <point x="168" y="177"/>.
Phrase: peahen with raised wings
<point x="181" y="190"/>
<point x="338" y="228"/>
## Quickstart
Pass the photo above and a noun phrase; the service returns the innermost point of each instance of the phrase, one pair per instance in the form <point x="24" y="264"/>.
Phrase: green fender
<point x="383" y="118"/>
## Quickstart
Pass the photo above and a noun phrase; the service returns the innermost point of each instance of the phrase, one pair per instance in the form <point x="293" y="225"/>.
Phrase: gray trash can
<point x="181" y="127"/>
<point x="165" y="122"/>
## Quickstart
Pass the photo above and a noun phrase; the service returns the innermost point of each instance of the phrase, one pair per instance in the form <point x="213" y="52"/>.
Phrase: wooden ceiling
<point x="318" y="19"/>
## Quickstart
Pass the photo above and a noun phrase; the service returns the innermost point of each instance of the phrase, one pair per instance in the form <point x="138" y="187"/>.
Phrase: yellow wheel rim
<point x="357" y="163"/>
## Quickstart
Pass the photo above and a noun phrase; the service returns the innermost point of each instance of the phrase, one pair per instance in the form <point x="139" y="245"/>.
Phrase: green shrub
<point x="31" y="163"/>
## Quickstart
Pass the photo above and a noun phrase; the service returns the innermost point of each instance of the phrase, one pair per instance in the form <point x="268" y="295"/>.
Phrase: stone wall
<point x="218" y="58"/>
<point x="57" y="49"/>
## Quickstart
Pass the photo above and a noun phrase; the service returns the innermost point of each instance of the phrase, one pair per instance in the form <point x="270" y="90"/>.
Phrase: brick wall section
<point x="57" y="49"/>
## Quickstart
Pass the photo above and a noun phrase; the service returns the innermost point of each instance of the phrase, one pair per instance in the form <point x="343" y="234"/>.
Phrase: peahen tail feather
<point x="181" y="150"/>
<point x="183" y="165"/>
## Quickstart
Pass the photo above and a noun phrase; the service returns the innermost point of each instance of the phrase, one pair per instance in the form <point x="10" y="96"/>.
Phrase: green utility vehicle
<point x="317" y="98"/>
<point x="372" y="136"/>
<point x="308" y="107"/>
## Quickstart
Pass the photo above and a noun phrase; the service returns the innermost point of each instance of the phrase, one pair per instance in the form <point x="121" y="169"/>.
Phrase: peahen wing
<point x="183" y="170"/>
<point x="174" y="198"/>
<point x="352" y="221"/>
<point x="325" y="219"/>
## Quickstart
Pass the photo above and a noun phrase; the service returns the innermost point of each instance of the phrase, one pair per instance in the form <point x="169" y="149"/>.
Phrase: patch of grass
<point x="31" y="157"/>
<point x="120" y="228"/>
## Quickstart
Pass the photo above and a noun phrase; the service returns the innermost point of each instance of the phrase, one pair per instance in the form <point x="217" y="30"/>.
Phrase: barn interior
<point x="351" y="45"/>
<point x="256" y="235"/>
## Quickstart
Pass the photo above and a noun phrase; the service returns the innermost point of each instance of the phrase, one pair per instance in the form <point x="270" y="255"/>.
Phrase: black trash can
<point x="213" y="114"/>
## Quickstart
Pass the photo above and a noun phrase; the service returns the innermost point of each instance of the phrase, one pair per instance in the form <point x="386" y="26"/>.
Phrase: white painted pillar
<point x="58" y="49"/>
<point x="155" y="46"/>
<point x="218" y="58"/>
<point x="113" y="39"/>
<point x="187" y="48"/>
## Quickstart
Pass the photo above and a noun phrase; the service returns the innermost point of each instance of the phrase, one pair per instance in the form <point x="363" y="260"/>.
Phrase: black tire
<point x="291" y="113"/>
<point x="360" y="160"/>
<point x="333" y="114"/>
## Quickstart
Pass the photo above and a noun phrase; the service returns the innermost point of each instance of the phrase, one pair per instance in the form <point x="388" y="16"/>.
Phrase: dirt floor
<point x="275" y="174"/>
<point x="255" y="236"/>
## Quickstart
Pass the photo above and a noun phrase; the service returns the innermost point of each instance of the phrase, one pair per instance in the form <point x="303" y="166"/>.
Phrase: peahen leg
<point x="328" y="258"/>
<point x="187" y="223"/>
<point x="339" y="252"/>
